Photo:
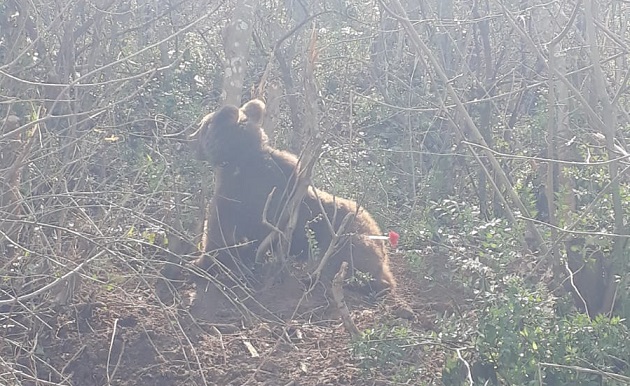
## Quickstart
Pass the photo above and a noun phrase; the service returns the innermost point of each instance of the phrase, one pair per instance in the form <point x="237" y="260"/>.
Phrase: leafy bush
<point x="519" y="331"/>
<point x="387" y="349"/>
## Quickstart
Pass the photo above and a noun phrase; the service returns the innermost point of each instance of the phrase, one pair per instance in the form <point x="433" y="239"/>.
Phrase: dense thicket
<point x="490" y="133"/>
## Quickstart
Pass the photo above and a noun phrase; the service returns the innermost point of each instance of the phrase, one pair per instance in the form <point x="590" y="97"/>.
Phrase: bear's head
<point x="232" y="136"/>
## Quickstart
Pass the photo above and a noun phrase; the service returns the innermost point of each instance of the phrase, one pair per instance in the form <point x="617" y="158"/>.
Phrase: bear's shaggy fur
<point x="246" y="171"/>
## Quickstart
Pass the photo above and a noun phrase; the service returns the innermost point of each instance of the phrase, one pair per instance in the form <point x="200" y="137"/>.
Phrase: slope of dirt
<point x="126" y="336"/>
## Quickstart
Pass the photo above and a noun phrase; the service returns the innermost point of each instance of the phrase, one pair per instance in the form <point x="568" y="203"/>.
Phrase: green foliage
<point x="480" y="249"/>
<point x="416" y="260"/>
<point x="519" y="331"/>
<point x="313" y="245"/>
<point x="387" y="349"/>
<point x="361" y="279"/>
<point x="521" y="327"/>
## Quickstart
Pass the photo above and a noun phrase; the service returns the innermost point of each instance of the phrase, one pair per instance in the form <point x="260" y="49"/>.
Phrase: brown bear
<point x="247" y="169"/>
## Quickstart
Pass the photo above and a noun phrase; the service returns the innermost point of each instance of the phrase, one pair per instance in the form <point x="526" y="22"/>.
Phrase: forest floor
<point x="127" y="336"/>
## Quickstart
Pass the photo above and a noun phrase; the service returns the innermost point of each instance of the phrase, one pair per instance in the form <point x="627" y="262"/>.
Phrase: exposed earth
<point x="127" y="336"/>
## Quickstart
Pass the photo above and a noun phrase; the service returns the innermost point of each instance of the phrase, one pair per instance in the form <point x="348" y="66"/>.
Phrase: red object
<point x="393" y="239"/>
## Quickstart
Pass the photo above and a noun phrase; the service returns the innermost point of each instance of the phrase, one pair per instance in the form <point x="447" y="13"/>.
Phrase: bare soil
<point x="127" y="336"/>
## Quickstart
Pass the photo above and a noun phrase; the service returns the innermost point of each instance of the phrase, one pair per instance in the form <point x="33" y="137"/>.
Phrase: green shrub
<point x="519" y="331"/>
<point x="387" y="350"/>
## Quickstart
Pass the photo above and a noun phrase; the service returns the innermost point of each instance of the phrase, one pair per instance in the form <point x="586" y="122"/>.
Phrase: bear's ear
<point x="254" y="112"/>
